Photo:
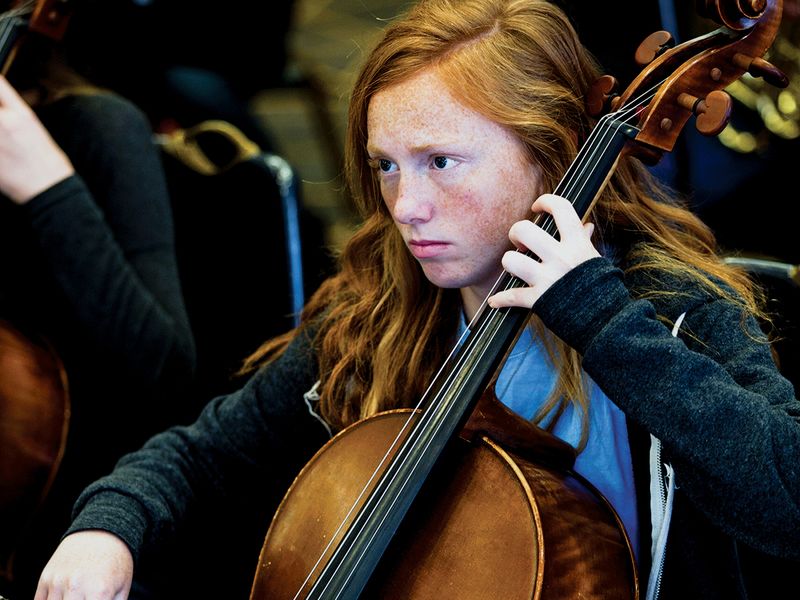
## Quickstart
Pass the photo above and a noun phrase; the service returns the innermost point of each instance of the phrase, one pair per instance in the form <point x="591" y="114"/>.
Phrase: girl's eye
<point x="385" y="165"/>
<point x="443" y="162"/>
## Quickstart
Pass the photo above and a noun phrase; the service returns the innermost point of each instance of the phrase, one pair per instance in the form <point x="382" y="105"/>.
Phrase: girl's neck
<point x="471" y="299"/>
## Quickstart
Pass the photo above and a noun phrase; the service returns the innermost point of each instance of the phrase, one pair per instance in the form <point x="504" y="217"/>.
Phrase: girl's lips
<point x="427" y="248"/>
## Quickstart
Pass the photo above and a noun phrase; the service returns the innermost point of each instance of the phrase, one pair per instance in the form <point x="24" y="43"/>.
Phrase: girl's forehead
<point x="423" y="92"/>
<point x="420" y="110"/>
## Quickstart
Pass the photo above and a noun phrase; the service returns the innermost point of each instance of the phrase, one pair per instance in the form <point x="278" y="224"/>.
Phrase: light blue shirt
<point x="524" y="384"/>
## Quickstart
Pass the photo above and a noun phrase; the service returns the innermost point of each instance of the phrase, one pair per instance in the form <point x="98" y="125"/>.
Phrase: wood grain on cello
<point x="34" y="420"/>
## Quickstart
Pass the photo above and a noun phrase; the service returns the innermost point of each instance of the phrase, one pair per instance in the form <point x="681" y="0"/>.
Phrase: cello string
<point x="582" y="168"/>
<point x="581" y="172"/>
<point x="626" y="114"/>
<point x="7" y="20"/>
<point x="7" y="26"/>
<point x="589" y="157"/>
<point x="25" y="8"/>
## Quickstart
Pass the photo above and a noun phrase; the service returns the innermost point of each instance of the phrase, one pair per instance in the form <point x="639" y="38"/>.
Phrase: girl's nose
<point x="412" y="203"/>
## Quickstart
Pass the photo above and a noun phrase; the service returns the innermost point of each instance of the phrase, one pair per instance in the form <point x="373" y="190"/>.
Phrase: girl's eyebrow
<point x="421" y="149"/>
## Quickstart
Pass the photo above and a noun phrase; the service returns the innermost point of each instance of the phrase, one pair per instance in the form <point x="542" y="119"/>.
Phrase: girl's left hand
<point x="556" y="256"/>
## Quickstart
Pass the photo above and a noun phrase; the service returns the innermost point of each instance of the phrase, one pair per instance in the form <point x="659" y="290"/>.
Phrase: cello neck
<point x="48" y="18"/>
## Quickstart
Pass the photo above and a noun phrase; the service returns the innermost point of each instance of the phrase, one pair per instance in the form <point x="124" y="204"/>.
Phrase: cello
<point x="462" y="499"/>
<point x="34" y="396"/>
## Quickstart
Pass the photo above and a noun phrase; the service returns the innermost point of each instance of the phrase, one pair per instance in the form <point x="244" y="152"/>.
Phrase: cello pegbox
<point x="51" y="17"/>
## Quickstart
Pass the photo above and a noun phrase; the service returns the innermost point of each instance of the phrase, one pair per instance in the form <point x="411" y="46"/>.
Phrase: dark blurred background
<point x="281" y="72"/>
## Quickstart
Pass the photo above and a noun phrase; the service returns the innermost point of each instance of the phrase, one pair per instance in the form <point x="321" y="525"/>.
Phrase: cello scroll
<point x="689" y="78"/>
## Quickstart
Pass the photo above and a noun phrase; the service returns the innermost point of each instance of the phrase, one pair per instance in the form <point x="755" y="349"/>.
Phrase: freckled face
<point x="453" y="180"/>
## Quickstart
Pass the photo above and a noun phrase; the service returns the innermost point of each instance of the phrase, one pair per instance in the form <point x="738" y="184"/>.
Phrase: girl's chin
<point x="447" y="280"/>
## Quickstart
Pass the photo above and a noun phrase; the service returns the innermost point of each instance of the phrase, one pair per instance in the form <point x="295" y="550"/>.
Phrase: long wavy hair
<point x="381" y="329"/>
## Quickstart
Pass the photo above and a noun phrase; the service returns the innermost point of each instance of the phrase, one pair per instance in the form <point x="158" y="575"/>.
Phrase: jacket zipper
<point x="662" y="494"/>
<point x="662" y="478"/>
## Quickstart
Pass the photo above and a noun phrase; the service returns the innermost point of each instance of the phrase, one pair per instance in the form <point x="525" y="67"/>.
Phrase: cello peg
<point x="653" y="45"/>
<point x="712" y="112"/>
<point x="601" y="95"/>
<point x="758" y="67"/>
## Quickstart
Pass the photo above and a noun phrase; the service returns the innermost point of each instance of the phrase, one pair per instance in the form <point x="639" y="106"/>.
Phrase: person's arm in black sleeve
<point x="711" y="394"/>
<point x="108" y="238"/>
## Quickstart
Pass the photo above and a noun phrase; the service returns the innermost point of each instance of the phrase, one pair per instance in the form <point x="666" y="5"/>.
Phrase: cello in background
<point x="34" y="398"/>
<point x="34" y="419"/>
<point x="374" y="513"/>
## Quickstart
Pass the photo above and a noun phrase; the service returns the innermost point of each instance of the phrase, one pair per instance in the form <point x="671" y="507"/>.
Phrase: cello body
<point x="491" y="523"/>
<point x="34" y="420"/>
